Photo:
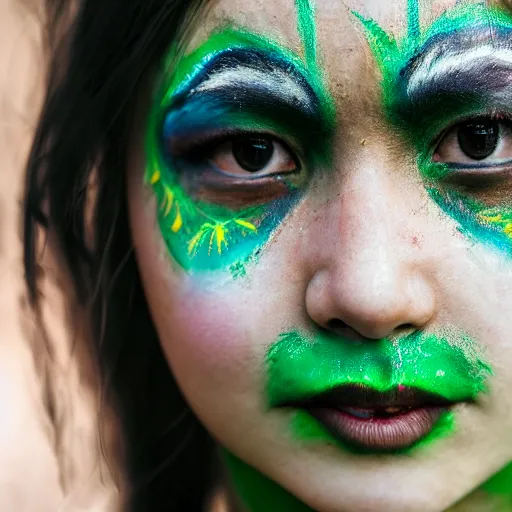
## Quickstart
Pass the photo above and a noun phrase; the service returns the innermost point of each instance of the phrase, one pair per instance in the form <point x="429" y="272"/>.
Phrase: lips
<point x="376" y="421"/>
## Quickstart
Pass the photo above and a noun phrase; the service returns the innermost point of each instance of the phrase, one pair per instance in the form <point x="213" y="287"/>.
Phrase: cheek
<point x="207" y="338"/>
<point x="215" y="329"/>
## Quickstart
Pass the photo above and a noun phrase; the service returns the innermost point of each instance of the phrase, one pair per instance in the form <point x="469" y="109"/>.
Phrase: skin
<point x="378" y="245"/>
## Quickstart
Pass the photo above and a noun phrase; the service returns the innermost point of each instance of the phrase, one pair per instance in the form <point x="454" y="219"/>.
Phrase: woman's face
<point x="322" y="212"/>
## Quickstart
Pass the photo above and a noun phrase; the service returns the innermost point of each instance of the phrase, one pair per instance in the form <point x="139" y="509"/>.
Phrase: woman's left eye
<point x="482" y="140"/>
<point x="253" y="157"/>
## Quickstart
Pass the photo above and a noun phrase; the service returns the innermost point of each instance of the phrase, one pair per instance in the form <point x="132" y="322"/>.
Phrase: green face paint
<point x="234" y="85"/>
<point x="500" y="487"/>
<point x="300" y="367"/>
<point x="259" y="493"/>
<point x="455" y="70"/>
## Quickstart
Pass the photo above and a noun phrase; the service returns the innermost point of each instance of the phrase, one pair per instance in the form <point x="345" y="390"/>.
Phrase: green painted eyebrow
<point x="230" y="37"/>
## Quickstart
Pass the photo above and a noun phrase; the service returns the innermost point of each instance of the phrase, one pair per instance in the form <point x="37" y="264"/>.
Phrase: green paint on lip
<point x="300" y="366"/>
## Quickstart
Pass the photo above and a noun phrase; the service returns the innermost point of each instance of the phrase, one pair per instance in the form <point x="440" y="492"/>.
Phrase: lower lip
<point x="380" y="434"/>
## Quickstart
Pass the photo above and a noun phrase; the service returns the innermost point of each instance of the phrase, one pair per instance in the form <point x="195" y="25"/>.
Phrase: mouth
<point x="374" y="421"/>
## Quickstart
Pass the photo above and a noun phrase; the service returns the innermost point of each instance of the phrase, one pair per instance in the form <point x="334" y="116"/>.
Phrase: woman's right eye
<point x="479" y="141"/>
<point x="252" y="157"/>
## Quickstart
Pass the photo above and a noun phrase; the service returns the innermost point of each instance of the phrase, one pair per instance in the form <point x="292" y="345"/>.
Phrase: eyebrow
<point x="476" y="60"/>
<point x="243" y="76"/>
<point x="242" y="88"/>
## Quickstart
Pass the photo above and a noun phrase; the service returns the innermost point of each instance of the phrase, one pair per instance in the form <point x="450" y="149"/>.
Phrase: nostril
<point x="336" y="325"/>
<point x="405" y="328"/>
<point x="341" y="328"/>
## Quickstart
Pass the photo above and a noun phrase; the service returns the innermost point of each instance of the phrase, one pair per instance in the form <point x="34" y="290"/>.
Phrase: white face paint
<point x="435" y="65"/>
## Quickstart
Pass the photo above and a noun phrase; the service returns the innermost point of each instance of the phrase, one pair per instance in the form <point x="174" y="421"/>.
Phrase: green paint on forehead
<point x="394" y="55"/>
<point x="307" y="32"/>
<point x="413" y="21"/>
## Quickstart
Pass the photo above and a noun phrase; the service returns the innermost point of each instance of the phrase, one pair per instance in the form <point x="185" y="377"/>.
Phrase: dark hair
<point x="94" y="83"/>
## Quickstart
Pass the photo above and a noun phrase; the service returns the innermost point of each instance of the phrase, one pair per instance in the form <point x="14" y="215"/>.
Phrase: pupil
<point x="253" y="154"/>
<point x="479" y="139"/>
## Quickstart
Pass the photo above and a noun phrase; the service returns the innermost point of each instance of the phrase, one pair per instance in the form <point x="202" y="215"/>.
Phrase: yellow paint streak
<point x="508" y="230"/>
<point x="247" y="225"/>
<point x="220" y="234"/>
<point x="168" y="201"/>
<point x="178" y="221"/>
<point x="196" y="241"/>
<point x="155" y="178"/>
<point x="489" y="217"/>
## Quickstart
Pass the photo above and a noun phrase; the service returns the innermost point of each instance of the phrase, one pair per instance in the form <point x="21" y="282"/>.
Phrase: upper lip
<point x="364" y="397"/>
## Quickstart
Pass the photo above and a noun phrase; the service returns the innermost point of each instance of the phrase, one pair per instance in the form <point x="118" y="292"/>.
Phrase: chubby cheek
<point x="215" y="330"/>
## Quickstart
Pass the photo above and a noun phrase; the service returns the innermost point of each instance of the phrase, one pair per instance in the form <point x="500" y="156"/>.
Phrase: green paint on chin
<point x="501" y="485"/>
<point x="257" y="492"/>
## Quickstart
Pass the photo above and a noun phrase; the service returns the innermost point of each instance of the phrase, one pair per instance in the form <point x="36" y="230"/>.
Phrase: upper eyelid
<point x="434" y="87"/>
<point x="240" y="58"/>
<point x="303" y="127"/>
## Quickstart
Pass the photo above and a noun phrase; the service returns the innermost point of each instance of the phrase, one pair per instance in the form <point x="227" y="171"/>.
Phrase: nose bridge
<point x="370" y="274"/>
<point x="372" y="211"/>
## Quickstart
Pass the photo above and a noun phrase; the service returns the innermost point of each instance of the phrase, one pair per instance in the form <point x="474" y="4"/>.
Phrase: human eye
<point x="238" y="169"/>
<point x="236" y="157"/>
<point x="253" y="157"/>
<point x="480" y="142"/>
<point x="475" y="186"/>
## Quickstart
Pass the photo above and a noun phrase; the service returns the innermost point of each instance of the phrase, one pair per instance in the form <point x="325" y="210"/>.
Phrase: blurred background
<point x="50" y="453"/>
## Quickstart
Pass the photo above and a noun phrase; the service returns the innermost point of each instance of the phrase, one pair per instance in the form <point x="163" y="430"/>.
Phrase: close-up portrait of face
<point x="288" y="227"/>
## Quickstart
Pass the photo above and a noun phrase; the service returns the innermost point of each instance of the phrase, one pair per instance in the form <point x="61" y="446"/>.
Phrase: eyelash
<point x="497" y="116"/>
<point x="197" y="150"/>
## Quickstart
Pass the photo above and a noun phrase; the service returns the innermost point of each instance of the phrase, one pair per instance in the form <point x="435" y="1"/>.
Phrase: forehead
<point x="342" y="44"/>
<point x="336" y="24"/>
<point x="345" y="54"/>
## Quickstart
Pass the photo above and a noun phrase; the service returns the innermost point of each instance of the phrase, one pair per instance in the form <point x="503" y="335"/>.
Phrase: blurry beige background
<point x="50" y="456"/>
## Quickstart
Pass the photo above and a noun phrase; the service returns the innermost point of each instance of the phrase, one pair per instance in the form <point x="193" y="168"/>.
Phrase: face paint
<point x="300" y="367"/>
<point x="235" y="85"/>
<point x="259" y="493"/>
<point x="500" y="488"/>
<point x="458" y="69"/>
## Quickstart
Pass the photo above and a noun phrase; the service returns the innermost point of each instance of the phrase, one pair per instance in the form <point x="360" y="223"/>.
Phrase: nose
<point x="374" y="279"/>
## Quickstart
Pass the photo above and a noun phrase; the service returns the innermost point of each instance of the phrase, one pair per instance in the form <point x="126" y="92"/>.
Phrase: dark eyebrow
<point x="235" y="72"/>
<point x="473" y="60"/>
<point x="244" y="81"/>
<point x="458" y="70"/>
